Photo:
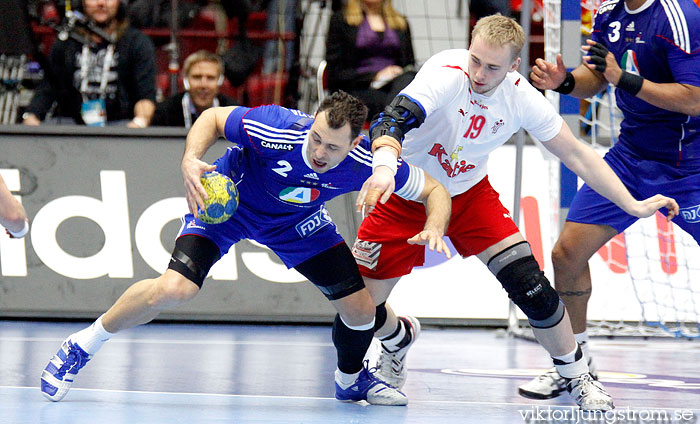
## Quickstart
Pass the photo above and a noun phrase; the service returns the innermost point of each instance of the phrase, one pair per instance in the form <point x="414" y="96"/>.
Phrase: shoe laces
<point x="76" y="358"/>
<point x="584" y="385"/>
<point x="551" y="374"/>
<point x="371" y="377"/>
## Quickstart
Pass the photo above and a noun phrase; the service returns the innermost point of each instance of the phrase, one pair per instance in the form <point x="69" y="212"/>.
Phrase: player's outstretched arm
<point x="438" y="205"/>
<point x="588" y="165"/>
<point x="203" y="134"/>
<point x="12" y="214"/>
<point x="551" y="76"/>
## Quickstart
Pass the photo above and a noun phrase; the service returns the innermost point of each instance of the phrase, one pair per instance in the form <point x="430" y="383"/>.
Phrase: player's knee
<point x="172" y="289"/>
<point x="565" y="255"/>
<point x="358" y="310"/>
<point x="526" y="285"/>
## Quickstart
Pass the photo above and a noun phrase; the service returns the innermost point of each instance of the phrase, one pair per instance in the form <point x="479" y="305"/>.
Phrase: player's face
<point x="101" y="11"/>
<point x="204" y="84"/>
<point x="488" y="65"/>
<point x="328" y="147"/>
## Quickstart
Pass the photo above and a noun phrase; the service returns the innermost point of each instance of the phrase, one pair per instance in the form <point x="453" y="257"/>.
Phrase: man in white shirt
<point x="462" y="105"/>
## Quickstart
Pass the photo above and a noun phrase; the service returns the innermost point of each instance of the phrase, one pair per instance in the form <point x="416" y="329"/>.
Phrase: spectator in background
<point x="369" y="52"/>
<point x="12" y="214"/>
<point x="101" y="78"/>
<point x="203" y="75"/>
<point x="281" y="17"/>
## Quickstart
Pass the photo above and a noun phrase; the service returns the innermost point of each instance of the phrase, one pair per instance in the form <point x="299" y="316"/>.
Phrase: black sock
<point x="351" y="345"/>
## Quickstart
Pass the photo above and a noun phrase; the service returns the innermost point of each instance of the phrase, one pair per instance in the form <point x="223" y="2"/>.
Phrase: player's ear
<point x="356" y="141"/>
<point x="515" y="65"/>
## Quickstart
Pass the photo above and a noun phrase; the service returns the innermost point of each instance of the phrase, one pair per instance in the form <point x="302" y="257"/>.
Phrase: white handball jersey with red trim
<point x="462" y="127"/>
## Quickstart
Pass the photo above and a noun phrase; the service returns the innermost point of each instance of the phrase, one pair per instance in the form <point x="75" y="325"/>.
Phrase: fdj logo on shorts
<point x="314" y="222"/>
<point x="691" y="215"/>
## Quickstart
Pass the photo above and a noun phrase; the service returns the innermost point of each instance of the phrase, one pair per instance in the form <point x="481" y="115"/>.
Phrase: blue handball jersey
<point x="276" y="178"/>
<point x="661" y="42"/>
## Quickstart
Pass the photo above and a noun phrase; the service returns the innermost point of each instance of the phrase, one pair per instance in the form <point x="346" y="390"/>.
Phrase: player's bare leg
<point x="577" y="243"/>
<point x="513" y="264"/>
<point x="139" y="304"/>
<point x="144" y="300"/>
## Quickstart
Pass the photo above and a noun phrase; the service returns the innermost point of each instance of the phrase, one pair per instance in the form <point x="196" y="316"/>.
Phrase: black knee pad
<point x="193" y="257"/>
<point x="334" y="271"/>
<point x="527" y="287"/>
<point x="380" y="316"/>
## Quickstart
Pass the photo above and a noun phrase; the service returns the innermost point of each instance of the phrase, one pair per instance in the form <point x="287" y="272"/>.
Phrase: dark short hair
<point x="342" y="108"/>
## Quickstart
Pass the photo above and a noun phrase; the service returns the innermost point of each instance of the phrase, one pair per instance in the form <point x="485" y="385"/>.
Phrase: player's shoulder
<point x="362" y="153"/>
<point x="275" y="127"/>
<point x="679" y="23"/>
<point x="279" y="117"/>
<point x="680" y="13"/>
<point x="606" y="8"/>
<point x="273" y="119"/>
<point x="451" y="59"/>
<point x="517" y="86"/>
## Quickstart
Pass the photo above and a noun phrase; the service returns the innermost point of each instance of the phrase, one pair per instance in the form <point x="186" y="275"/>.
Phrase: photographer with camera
<point x="101" y="70"/>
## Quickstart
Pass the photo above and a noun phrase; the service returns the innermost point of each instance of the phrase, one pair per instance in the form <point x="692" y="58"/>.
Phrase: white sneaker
<point x="550" y="384"/>
<point x="62" y="369"/>
<point x="369" y="388"/>
<point x="546" y="386"/>
<point x="589" y="394"/>
<point x="392" y="365"/>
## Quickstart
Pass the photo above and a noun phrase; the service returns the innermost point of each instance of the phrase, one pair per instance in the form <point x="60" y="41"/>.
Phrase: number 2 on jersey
<point x="476" y="124"/>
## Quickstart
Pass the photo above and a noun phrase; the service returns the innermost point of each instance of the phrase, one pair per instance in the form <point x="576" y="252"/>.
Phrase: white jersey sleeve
<point x="438" y="82"/>
<point x="538" y="116"/>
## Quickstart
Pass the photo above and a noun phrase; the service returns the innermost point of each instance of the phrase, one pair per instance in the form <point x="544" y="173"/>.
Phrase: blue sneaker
<point x="369" y="388"/>
<point x="59" y="374"/>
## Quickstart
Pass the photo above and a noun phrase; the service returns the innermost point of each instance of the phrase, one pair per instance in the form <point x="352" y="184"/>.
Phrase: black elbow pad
<point x="398" y="118"/>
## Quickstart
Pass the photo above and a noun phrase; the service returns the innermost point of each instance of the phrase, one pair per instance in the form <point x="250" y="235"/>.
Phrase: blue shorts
<point x="293" y="236"/>
<point x="643" y="178"/>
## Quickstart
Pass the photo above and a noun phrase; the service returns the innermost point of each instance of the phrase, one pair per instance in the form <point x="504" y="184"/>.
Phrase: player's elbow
<point x="694" y="109"/>
<point x="14" y="220"/>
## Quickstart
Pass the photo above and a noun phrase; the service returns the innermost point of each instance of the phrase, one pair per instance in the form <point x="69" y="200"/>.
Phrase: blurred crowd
<point x="139" y="63"/>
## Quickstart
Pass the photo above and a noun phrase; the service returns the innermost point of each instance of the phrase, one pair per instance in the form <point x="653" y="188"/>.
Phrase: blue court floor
<point x="177" y="373"/>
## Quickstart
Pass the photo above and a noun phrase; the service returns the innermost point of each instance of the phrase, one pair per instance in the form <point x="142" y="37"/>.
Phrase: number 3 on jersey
<point x="475" y="125"/>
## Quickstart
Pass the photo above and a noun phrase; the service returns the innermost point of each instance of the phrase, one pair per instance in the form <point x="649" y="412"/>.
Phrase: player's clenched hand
<point x="434" y="241"/>
<point x="378" y="187"/>
<point x="647" y="207"/>
<point x="600" y="59"/>
<point x="192" y="170"/>
<point x="548" y="76"/>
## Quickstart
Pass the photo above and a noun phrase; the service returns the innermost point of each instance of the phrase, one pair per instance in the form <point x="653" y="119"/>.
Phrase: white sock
<point x="569" y="357"/>
<point x="345" y="380"/>
<point x="391" y="342"/>
<point x="582" y="340"/>
<point x="92" y="338"/>
<point x="569" y="366"/>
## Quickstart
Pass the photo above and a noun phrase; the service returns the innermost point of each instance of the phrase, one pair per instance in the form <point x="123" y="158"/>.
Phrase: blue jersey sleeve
<point x="409" y="180"/>
<point x="681" y="42"/>
<point x="233" y="129"/>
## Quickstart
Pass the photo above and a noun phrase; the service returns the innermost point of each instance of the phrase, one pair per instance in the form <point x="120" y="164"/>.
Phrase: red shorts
<point x="478" y="221"/>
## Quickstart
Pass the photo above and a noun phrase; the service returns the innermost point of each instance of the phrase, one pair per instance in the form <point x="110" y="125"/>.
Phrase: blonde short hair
<point x="202" y="56"/>
<point x="500" y="30"/>
<point x="354" y="15"/>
